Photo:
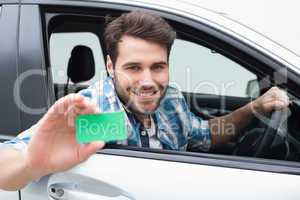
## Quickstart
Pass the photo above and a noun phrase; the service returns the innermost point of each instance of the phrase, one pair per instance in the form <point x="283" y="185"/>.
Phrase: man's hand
<point x="236" y="121"/>
<point x="53" y="146"/>
<point x="274" y="98"/>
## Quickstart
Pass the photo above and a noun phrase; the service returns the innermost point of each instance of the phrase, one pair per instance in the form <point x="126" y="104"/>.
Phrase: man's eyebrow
<point x="160" y="63"/>
<point x="131" y="64"/>
<point x="138" y="64"/>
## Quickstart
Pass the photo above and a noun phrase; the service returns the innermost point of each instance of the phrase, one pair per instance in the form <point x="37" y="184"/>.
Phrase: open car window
<point x="212" y="83"/>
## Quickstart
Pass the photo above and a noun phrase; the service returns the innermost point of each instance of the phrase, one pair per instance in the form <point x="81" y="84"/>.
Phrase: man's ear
<point x="109" y="66"/>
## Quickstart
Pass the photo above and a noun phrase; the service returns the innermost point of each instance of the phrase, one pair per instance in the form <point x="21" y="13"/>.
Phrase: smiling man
<point x="140" y="80"/>
<point x="138" y="46"/>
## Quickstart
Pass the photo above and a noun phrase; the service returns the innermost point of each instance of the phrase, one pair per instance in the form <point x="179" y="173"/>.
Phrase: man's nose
<point x="146" y="80"/>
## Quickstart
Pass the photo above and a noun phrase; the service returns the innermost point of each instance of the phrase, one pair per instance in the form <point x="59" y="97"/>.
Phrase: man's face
<point x="140" y="74"/>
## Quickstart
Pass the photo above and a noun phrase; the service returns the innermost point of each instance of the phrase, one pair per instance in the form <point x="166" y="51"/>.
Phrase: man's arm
<point x="225" y="128"/>
<point x="52" y="147"/>
<point x="14" y="172"/>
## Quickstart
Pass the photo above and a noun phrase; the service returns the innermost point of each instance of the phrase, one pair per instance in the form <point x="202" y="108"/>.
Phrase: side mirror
<point x="252" y="89"/>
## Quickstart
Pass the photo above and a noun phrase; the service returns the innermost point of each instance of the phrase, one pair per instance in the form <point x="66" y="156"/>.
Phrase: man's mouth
<point x="145" y="93"/>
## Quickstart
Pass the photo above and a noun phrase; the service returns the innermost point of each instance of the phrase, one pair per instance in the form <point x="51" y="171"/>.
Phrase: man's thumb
<point x="88" y="149"/>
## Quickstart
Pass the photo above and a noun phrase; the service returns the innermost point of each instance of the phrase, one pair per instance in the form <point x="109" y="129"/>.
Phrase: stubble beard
<point x="130" y="104"/>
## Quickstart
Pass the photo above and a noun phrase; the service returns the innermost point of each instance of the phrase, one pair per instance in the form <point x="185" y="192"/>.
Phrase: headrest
<point x="81" y="66"/>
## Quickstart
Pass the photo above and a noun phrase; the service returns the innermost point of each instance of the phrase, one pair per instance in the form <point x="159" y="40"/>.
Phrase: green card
<point x="104" y="126"/>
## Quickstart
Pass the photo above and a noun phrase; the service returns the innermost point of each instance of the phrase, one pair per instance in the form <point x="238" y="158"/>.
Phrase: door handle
<point x="69" y="186"/>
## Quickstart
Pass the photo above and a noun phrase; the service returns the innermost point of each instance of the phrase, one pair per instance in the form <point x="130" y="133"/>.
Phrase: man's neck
<point x="144" y="119"/>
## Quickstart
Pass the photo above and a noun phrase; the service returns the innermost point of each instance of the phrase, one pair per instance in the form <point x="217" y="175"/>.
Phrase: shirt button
<point x="143" y="133"/>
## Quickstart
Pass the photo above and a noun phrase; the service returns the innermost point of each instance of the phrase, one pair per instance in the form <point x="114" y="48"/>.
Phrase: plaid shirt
<point x="177" y="128"/>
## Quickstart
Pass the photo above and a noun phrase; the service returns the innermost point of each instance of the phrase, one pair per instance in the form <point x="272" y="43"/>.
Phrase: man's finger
<point x="275" y="105"/>
<point x="87" y="150"/>
<point x="83" y="108"/>
<point x="62" y="105"/>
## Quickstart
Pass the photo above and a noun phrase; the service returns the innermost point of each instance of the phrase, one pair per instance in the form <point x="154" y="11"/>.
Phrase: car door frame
<point x="9" y="19"/>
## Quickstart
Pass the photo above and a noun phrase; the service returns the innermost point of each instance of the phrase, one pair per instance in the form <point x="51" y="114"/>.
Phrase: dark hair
<point x="138" y="24"/>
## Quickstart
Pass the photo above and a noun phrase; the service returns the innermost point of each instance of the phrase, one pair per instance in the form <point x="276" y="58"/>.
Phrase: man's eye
<point x="134" y="68"/>
<point x="158" y="67"/>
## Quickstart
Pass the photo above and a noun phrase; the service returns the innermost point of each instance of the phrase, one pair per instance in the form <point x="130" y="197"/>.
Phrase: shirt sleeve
<point x="20" y="142"/>
<point x="200" y="135"/>
<point x="195" y="129"/>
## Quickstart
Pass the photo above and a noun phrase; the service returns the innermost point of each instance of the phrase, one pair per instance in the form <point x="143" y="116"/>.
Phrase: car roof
<point x="195" y="11"/>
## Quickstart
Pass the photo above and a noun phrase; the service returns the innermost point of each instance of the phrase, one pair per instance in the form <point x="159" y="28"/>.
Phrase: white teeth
<point x="145" y="94"/>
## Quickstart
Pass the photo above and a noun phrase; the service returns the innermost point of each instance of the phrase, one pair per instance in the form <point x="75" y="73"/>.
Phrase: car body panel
<point x="149" y="179"/>
<point x="206" y="16"/>
<point x="9" y="195"/>
<point x="266" y="20"/>
<point x="9" y="1"/>
<point x="9" y="21"/>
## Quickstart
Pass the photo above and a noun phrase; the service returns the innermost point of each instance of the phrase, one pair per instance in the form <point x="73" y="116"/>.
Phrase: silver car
<point x="219" y="65"/>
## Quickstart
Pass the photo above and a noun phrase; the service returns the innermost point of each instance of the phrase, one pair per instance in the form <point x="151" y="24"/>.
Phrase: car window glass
<point x="61" y="46"/>
<point x="195" y="68"/>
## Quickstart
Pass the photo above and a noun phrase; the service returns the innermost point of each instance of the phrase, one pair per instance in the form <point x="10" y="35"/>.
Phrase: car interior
<point x="276" y="137"/>
<point x="81" y="67"/>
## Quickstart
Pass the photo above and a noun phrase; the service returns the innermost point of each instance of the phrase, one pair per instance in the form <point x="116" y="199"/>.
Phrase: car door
<point x="119" y="172"/>
<point x="129" y="174"/>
